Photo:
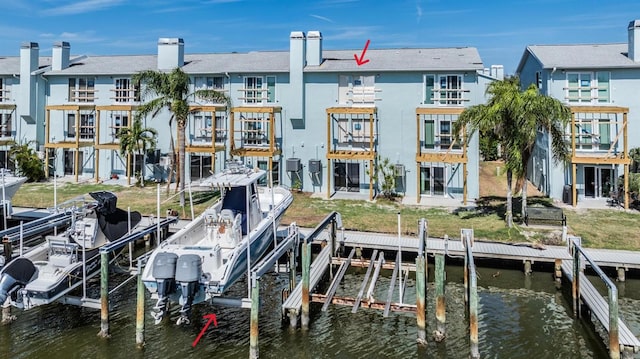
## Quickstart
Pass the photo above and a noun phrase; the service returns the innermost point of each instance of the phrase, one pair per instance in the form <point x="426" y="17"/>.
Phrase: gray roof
<point x="10" y="65"/>
<point x="109" y="65"/>
<point x="263" y="61"/>
<point x="454" y="58"/>
<point x="590" y="56"/>
<point x="435" y="59"/>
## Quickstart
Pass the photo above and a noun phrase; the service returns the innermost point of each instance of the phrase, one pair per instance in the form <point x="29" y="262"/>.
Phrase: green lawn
<point x="614" y="229"/>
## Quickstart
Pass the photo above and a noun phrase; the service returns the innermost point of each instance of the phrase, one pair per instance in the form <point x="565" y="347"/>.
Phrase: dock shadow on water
<point x="519" y="317"/>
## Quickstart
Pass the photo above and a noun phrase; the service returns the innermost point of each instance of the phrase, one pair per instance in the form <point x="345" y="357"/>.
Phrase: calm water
<point x="519" y="317"/>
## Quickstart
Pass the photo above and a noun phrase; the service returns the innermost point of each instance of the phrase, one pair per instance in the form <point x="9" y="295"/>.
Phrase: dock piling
<point x="140" y="309"/>
<point x="306" y="268"/>
<point x="621" y="274"/>
<point x="527" y="267"/>
<point x="471" y="291"/>
<point x="6" y="314"/>
<point x="104" y="295"/>
<point x="440" y="332"/>
<point x="421" y="278"/>
<point x="254" y="350"/>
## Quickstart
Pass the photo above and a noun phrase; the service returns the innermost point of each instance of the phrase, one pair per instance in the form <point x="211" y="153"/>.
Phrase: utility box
<point x="398" y="170"/>
<point x="315" y="166"/>
<point x="293" y="165"/>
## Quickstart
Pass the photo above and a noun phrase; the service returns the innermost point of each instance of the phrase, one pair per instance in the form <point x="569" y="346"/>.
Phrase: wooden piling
<point x="140" y="310"/>
<point x="104" y="295"/>
<point x="6" y="243"/>
<point x="557" y="270"/>
<point x="254" y="350"/>
<point x="6" y="314"/>
<point x="473" y="318"/>
<point x="420" y="300"/>
<point x="440" y="299"/>
<point x="527" y="267"/>
<point x="614" y="338"/>
<point x="575" y="284"/>
<point x="621" y="274"/>
<point x="306" y="268"/>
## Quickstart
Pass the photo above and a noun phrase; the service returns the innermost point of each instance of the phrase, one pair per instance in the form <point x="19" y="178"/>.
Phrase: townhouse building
<point x="313" y="117"/>
<point x="599" y="83"/>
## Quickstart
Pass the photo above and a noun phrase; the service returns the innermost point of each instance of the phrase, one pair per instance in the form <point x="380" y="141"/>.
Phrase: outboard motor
<point x="188" y="272"/>
<point x="164" y="271"/>
<point x="16" y="274"/>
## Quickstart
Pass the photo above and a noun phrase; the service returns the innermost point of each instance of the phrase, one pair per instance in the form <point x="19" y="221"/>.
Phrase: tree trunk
<point x="524" y="198"/>
<point x="144" y="160"/>
<point x="509" y="214"/>
<point x="181" y="159"/>
<point x="134" y="165"/>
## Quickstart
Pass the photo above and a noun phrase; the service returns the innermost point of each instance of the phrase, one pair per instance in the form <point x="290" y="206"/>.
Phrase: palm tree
<point x="170" y="91"/>
<point x="514" y="117"/>
<point x="137" y="139"/>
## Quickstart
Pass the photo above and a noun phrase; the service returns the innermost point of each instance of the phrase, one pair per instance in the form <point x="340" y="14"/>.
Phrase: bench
<point x="545" y="214"/>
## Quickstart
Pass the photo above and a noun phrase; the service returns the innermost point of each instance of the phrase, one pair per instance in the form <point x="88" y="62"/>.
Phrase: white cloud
<point x="321" y="18"/>
<point x="82" y="7"/>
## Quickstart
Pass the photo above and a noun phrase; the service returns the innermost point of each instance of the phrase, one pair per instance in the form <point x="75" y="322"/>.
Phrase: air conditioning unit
<point x="315" y="166"/>
<point x="398" y="170"/>
<point x="293" y="165"/>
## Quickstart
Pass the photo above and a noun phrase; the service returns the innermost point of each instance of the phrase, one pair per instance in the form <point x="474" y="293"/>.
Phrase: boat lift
<point x="25" y="231"/>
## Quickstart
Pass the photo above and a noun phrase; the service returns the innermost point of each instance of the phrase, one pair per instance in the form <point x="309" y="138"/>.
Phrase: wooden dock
<point x="489" y="250"/>
<point x="600" y="308"/>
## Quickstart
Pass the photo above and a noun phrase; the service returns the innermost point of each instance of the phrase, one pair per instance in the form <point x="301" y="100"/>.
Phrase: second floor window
<point x="126" y="91"/>
<point x="81" y="89"/>
<point x="592" y="134"/>
<point x="438" y="133"/>
<point x="357" y="90"/>
<point x="118" y="122"/>
<point x="208" y="83"/>
<point x="86" y="126"/>
<point x="258" y="91"/>
<point x="443" y="90"/>
<point x="588" y="87"/>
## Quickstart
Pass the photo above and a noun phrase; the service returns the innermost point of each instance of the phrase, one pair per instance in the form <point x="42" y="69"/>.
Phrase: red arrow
<point x="361" y="61"/>
<point x="212" y="318"/>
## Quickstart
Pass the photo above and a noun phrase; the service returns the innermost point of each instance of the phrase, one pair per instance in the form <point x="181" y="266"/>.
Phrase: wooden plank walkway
<point x="493" y="250"/>
<point x="319" y="266"/>
<point x="600" y="307"/>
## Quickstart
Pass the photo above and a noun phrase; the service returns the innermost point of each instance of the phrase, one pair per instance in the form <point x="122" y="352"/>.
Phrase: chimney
<point x="497" y="72"/>
<point x="296" y="73"/>
<point x="60" y="56"/>
<point x="634" y="40"/>
<point x="170" y="53"/>
<point x="29" y="62"/>
<point x="314" y="48"/>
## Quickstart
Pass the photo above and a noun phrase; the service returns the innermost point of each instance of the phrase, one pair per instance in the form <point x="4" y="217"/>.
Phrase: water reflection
<point x="519" y="317"/>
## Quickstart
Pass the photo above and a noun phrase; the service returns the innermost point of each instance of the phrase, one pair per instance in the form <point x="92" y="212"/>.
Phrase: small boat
<point x="207" y="256"/>
<point x="9" y="184"/>
<point x="54" y="268"/>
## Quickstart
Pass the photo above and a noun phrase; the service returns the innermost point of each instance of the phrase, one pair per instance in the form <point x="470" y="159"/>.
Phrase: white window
<point x="593" y="134"/>
<point x="119" y="121"/>
<point x="203" y="126"/>
<point x="357" y="90"/>
<point x="125" y="91"/>
<point x="588" y="87"/>
<point x="209" y="83"/>
<point x="438" y="133"/>
<point x="354" y="130"/>
<point x="86" y="125"/>
<point x="259" y="90"/>
<point x="443" y="90"/>
<point x="81" y="89"/>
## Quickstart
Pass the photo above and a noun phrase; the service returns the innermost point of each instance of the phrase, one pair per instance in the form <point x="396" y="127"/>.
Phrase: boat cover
<point x="21" y="269"/>
<point x="113" y="221"/>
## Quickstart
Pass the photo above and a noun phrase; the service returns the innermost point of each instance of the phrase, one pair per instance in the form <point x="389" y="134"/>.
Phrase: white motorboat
<point x="207" y="256"/>
<point x="9" y="184"/>
<point x="54" y="268"/>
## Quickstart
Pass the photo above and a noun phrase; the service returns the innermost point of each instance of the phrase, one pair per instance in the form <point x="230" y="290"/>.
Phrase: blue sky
<point x="499" y="29"/>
